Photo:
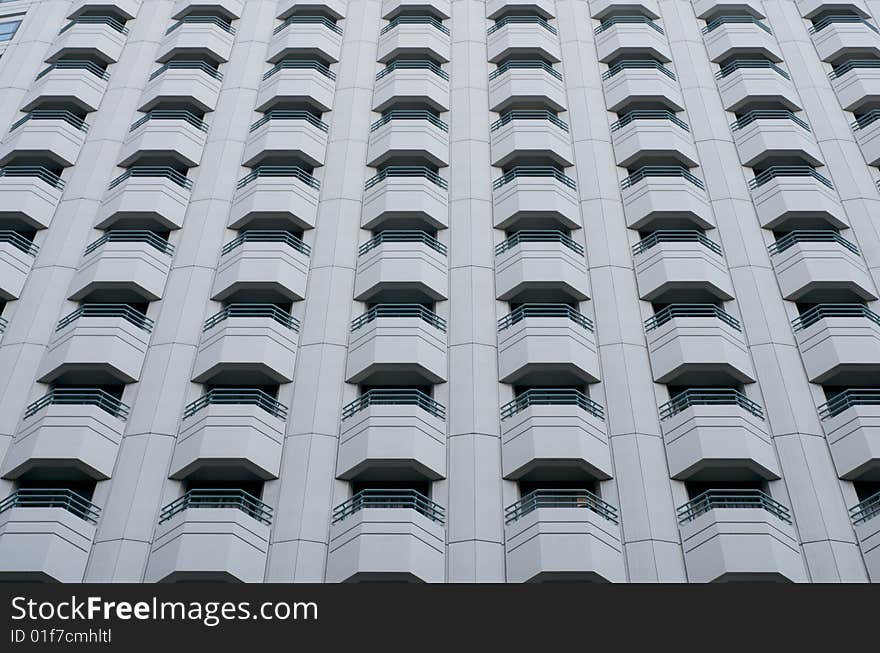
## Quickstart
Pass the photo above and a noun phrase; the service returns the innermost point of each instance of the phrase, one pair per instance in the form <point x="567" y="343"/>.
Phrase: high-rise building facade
<point x="440" y="290"/>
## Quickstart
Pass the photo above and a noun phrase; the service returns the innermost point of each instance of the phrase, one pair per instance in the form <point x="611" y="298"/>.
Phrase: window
<point x="8" y="29"/>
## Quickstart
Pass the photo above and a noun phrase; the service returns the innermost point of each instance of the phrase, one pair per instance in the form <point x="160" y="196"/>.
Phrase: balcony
<point x="601" y="9"/>
<point x="731" y="535"/>
<point x="393" y="8"/>
<point x="656" y="192"/>
<point x="30" y="195"/>
<point x="55" y="135"/>
<point x="698" y="340"/>
<point x="124" y="259"/>
<point x="526" y="82"/>
<point x="642" y="80"/>
<point x="650" y="133"/>
<point x="211" y="535"/>
<point x="286" y="133"/>
<point x="554" y="428"/>
<point x="179" y="135"/>
<point x="387" y="535"/>
<point x="396" y="428"/>
<point x="276" y="192"/>
<point x="535" y="191"/>
<point x="746" y="81"/>
<point x="411" y="80"/>
<point x="515" y="35"/>
<point x="852" y="428"/>
<point x="810" y="8"/>
<point x="530" y="133"/>
<point x="547" y="339"/>
<point x="838" y="340"/>
<point x="726" y="36"/>
<point x="868" y="531"/>
<point x="253" y="340"/>
<point x="710" y="429"/>
<point x="630" y="34"/>
<point x="102" y="37"/>
<point x="156" y="193"/>
<point x="398" y="339"/>
<point x="866" y="129"/>
<point x="46" y="535"/>
<point x="202" y="35"/>
<point x="81" y="83"/>
<point x="101" y="338"/>
<point x="563" y="535"/>
<point x="856" y="82"/>
<point x="839" y="36"/>
<point x="17" y="256"/>
<point x="305" y="35"/>
<point x="402" y="261"/>
<point x="781" y="192"/>
<point x="538" y="261"/>
<point x="297" y="80"/>
<point x="680" y="260"/>
<point x="229" y="9"/>
<point x="408" y="34"/>
<point x="768" y="133"/>
<point x="267" y="261"/>
<point x="225" y="428"/>
<point x="406" y="192"/>
<point x="183" y="81"/>
<point x="128" y="9"/>
<point x="494" y="8"/>
<point x="78" y="428"/>
<point x="406" y="132"/>
<point x="815" y="260"/>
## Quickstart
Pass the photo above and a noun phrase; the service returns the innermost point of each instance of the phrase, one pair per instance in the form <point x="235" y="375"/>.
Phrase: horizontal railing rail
<point x="865" y="510"/>
<point x="41" y="173"/>
<point x="767" y="114"/>
<point x="637" y="64"/>
<point x="524" y="64"/>
<point x="811" y="236"/>
<point x="521" y="20"/>
<point x="308" y="20"/>
<point x="415" y="20"/>
<point x="648" y="114"/>
<point x="711" y="499"/>
<point x="290" y="114"/>
<point x="123" y="311"/>
<point x="18" y="241"/>
<point x="533" y="171"/>
<point x="820" y="312"/>
<point x="413" y="64"/>
<point x="169" y="114"/>
<point x="866" y="119"/>
<point x="69" y="500"/>
<point x="847" y="399"/>
<point x="202" y="20"/>
<point x="852" y="64"/>
<point x="715" y="23"/>
<point x="231" y="311"/>
<point x="219" y="498"/>
<point x="403" y="236"/>
<point x="182" y="64"/>
<point x="525" y="114"/>
<point x="608" y="23"/>
<point x="409" y="114"/>
<point x="394" y="397"/>
<point x="237" y="397"/>
<point x="539" y="236"/>
<point x="300" y="64"/>
<point x="774" y="172"/>
<point x="543" y="311"/>
<point x="75" y="64"/>
<point x="824" y="22"/>
<point x="79" y="397"/>
<point x="50" y="114"/>
<point x="164" y="172"/>
<point x="743" y="64"/>
<point x="96" y="20"/>
<point x="132" y="236"/>
<point x="559" y="499"/>
<point x="709" y="397"/>
<point x="552" y="397"/>
<point x="661" y="171"/>
<point x="266" y="236"/>
<point x="675" y="236"/>
<point x="407" y="171"/>
<point x="673" y="311"/>
<point x="3" y="324"/>
<point x="293" y="172"/>
<point x="397" y="311"/>
<point x="391" y="498"/>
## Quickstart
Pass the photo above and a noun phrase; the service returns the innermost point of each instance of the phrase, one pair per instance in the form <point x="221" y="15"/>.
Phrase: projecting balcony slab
<point x="526" y="197"/>
<point x="296" y="85"/>
<point x="839" y="345"/>
<point x="627" y="38"/>
<point x="650" y="138"/>
<point x="643" y="85"/>
<point x="854" y="437"/>
<point x="716" y="437"/>
<point x="523" y="39"/>
<point x="127" y="8"/>
<point x="391" y="8"/>
<point x="868" y="533"/>
<point x="405" y="197"/>
<point x="771" y="137"/>
<point x="784" y="197"/>
<point x="531" y="137"/>
<point x="868" y="138"/>
<point x="745" y="85"/>
<point x="258" y="345"/>
<point x="280" y="198"/>
<point x="202" y="544"/>
<point x="84" y="437"/>
<point x="809" y="266"/>
<point x="229" y="435"/>
<point x="547" y="344"/>
<point x="67" y="85"/>
<point x="175" y="85"/>
<point x="135" y="266"/>
<point x="44" y="544"/>
<point x="741" y="544"/>
<point x="411" y="84"/>
<point x="231" y="9"/>
<point x="544" y="8"/>
<point x="809" y="8"/>
<point x="540" y="265"/>
<point x="15" y="265"/>
<point x="419" y="138"/>
<point x="87" y="39"/>
<point x="202" y="38"/>
<point x="145" y="198"/>
<point x="679" y="266"/>
<point x="56" y="140"/>
<point x="177" y="139"/>
<point x="413" y="38"/>
<point x="729" y="39"/>
<point x="299" y="39"/>
<point x="856" y="87"/>
<point x="285" y="138"/>
<point x="397" y="344"/>
<point x="543" y="436"/>
<point x="397" y="543"/>
<point x="599" y="9"/>
<point x="559" y="544"/>
<point x="526" y="85"/>
<point x="29" y="199"/>
<point x="273" y="266"/>
<point x="411" y="266"/>
<point x="837" y="40"/>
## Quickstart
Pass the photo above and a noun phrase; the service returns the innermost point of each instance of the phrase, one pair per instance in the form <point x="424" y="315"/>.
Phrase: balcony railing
<point x="539" y="236"/>
<point x="3" y="324"/>
<point x="407" y="171"/>
<point x="788" y="171"/>
<point x="524" y="64"/>
<point x="709" y="397"/>
<point x="673" y="311"/>
<point x="403" y="236"/>
<point x="52" y="498"/>
<point x="866" y="119"/>
<point x="711" y="499"/>
<point x="266" y="236"/>
<point x="767" y="114"/>
<point x="75" y="64"/>
<point x="533" y="171"/>
<point x="413" y="64"/>
<point x="822" y="23"/>
<point x="849" y="398"/>
<point x="648" y="114"/>
<point x="715" y="23"/>
<point x="50" y="114"/>
<point x="525" y="114"/>
<point x="742" y="64"/>
<point x="608" y="23"/>
<point x="520" y="20"/>
<point x="182" y="64"/>
<point x="232" y="311"/>
<point x="394" y="397"/>
<point x="415" y="20"/>
<point x="552" y="397"/>
<point x="294" y="172"/>
<point x="237" y="397"/>
<point x="43" y="174"/>
<point x="308" y="20"/>
<point x="288" y="114"/>
<point x="675" y="236"/>
<point x="822" y="311"/>
<point x="661" y="171"/>
<point x="300" y="64"/>
<point x="635" y="64"/>
<point x="18" y="241"/>
<point x="165" y="172"/>
<point x="79" y="397"/>
<point x="409" y="114"/>
<point x="865" y="510"/>
<point x="123" y="311"/>
<point x="168" y="114"/>
<point x="399" y="310"/>
<point x="852" y="64"/>
<point x="559" y="499"/>
<point x="220" y="498"/>
<point x="378" y="498"/>
<point x="202" y="20"/>
<point x="811" y="236"/>
<point x="132" y="236"/>
<point x="96" y="20"/>
<point x="542" y="311"/>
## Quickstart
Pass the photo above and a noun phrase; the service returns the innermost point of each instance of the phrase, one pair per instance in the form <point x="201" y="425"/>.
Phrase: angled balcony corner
<point x="866" y="129"/>
<point x="526" y="80"/>
<point x="414" y="34"/>
<point x="838" y="35"/>
<point x="279" y="192"/>
<point x="531" y="191"/>
<point x="748" y="80"/>
<point x="297" y="80"/>
<point x="183" y="80"/>
<point x="180" y="135"/>
<point x="393" y="8"/>
<point x="275" y="261"/>
<point x="30" y="194"/>
<point x="652" y="132"/>
<point x="764" y="133"/>
<point x="387" y="535"/>
<point x="128" y="9"/>
<point x="409" y="132"/>
<point x="867" y="530"/>
<point x="728" y="35"/>
<point x="228" y="9"/>
<point x="285" y="131"/>
<point x="656" y="192"/>
<point x="305" y="34"/>
<point x="530" y="133"/>
<point x="406" y="261"/>
<point x="80" y="82"/>
<point x="206" y="34"/>
<point x="851" y="421"/>
<point x="601" y="9"/>
<point x="96" y="36"/>
<point x="409" y="79"/>
<point x="540" y="260"/>
<point x="495" y="8"/>
<point x="780" y="192"/>
<point x="624" y="34"/>
<point x="158" y="193"/>
<point x="856" y="82"/>
<point x="55" y="134"/>
<point x="17" y="255"/>
<point x="647" y="80"/>
<point x="518" y="35"/>
<point x="838" y="339"/>
<point x="406" y="192"/>
<point x="811" y="8"/>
